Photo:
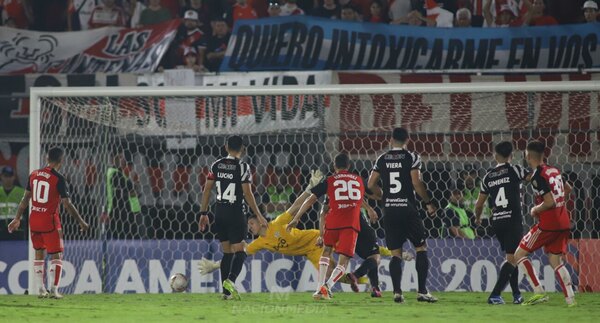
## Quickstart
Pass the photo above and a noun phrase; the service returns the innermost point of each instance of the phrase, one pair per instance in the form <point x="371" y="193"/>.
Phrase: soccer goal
<point x="161" y="142"/>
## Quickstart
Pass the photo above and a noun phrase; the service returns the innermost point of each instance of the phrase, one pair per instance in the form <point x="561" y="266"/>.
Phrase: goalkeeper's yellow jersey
<point x="277" y="239"/>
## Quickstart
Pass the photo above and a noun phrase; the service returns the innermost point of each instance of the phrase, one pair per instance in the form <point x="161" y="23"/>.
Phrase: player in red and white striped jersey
<point x="553" y="229"/>
<point x="47" y="188"/>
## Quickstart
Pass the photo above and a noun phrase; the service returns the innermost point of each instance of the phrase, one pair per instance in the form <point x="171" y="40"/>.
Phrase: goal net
<point x="162" y="141"/>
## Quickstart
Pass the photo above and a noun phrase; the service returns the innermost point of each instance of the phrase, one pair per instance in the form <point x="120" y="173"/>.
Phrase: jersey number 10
<point x="41" y="190"/>
<point x="345" y="191"/>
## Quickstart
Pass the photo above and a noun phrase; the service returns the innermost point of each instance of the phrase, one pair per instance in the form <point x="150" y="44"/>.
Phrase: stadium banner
<point x="309" y="43"/>
<point x="464" y="118"/>
<point x="131" y="266"/>
<point x="110" y="49"/>
<point x="241" y="114"/>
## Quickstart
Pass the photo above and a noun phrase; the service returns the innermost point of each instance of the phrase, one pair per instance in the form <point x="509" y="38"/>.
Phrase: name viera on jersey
<point x="393" y="165"/>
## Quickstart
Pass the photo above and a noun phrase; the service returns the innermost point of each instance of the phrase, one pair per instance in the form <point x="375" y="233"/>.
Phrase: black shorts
<point x="401" y="224"/>
<point x="366" y="244"/>
<point x="230" y="223"/>
<point x="509" y="235"/>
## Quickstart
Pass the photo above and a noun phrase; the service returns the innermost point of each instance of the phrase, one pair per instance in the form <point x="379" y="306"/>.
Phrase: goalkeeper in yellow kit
<point x="276" y="238"/>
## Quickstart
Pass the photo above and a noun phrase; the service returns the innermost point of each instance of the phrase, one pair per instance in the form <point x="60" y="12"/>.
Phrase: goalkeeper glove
<point x="134" y="204"/>
<point x="315" y="178"/>
<point x="206" y="266"/>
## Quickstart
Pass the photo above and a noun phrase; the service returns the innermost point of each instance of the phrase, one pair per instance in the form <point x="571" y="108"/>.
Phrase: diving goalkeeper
<point x="276" y="238"/>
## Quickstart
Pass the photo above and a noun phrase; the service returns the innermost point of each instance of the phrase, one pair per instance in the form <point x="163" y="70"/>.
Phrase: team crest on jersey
<point x="277" y="234"/>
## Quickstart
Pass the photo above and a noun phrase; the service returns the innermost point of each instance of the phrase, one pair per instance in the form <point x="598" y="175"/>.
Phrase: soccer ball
<point x="178" y="283"/>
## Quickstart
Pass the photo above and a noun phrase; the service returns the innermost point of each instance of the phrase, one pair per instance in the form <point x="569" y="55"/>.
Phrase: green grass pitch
<point x="291" y="307"/>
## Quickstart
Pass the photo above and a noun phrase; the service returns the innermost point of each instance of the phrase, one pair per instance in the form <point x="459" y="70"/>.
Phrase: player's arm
<point x="568" y="190"/>
<point x="373" y="190"/>
<point x="204" y="204"/>
<point x="315" y="178"/>
<point x="16" y="222"/>
<point x="316" y="192"/>
<point x="370" y="211"/>
<point x="322" y="216"/>
<point x="308" y="203"/>
<point x="249" y="197"/>
<point x="479" y="205"/>
<point x="68" y="205"/>
<point x="415" y="175"/>
<point x="547" y="204"/>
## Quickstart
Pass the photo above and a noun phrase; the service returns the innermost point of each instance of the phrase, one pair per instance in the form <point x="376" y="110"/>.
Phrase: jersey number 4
<point x="41" y="190"/>
<point x="501" y="200"/>
<point x="347" y="190"/>
<point x="227" y="195"/>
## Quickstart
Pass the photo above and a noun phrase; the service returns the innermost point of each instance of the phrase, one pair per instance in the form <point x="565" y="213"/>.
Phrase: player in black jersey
<point x="232" y="178"/>
<point x="502" y="186"/>
<point x="400" y="172"/>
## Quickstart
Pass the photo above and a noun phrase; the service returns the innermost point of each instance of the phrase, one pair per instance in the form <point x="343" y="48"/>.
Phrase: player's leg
<point x="394" y="239"/>
<point x="556" y="250"/>
<point x="509" y="242"/>
<point x="237" y="231"/>
<point x="367" y="249"/>
<point x="55" y="248"/>
<point x="225" y="266"/>
<point x="416" y="235"/>
<point x="345" y="247"/>
<point x="38" y="264"/>
<point x="532" y="241"/>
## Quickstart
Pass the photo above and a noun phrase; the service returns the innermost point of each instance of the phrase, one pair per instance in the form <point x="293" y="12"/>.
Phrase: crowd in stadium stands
<point x="203" y="37"/>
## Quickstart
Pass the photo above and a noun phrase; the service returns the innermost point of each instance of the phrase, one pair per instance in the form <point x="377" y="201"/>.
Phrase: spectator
<point x="400" y="10"/>
<point x="463" y="18"/>
<point x="278" y="195"/>
<point x="241" y="10"/>
<point x="154" y="14"/>
<point x="536" y="14"/>
<point x="123" y="206"/>
<point x="173" y="6"/>
<point x="190" y="60"/>
<point x="457" y="218"/>
<point x="290" y="8"/>
<point x="505" y="18"/>
<point x="10" y="196"/>
<point x="79" y="13"/>
<point x="216" y="45"/>
<point x="203" y="12"/>
<point x="376" y="13"/>
<point x="415" y="18"/>
<point x="328" y="9"/>
<point x="189" y="36"/>
<point x="590" y="11"/>
<point x="274" y="9"/>
<point x="17" y="10"/>
<point x="106" y="15"/>
<point x="349" y="13"/>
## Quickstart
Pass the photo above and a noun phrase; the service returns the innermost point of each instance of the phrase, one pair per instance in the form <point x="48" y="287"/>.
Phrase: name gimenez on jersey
<point x="500" y="181"/>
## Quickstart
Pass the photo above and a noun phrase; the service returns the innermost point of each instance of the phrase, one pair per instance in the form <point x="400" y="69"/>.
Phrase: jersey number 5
<point x="345" y="191"/>
<point x="229" y="193"/>
<point x="41" y="189"/>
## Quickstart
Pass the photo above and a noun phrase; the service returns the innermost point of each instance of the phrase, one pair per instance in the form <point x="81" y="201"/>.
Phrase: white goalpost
<point x="164" y="138"/>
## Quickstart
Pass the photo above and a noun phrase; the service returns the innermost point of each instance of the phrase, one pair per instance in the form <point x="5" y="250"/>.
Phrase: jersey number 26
<point x="347" y="190"/>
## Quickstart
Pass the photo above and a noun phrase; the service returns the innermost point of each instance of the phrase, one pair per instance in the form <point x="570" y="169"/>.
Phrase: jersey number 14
<point x="227" y="195"/>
